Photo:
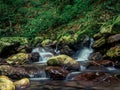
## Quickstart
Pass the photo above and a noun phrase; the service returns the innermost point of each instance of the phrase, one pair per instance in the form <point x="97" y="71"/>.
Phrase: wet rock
<point x="64" y="61"/>
<point x="106" y="63"/>
<point x="9" y="45"/>
<point x="22" y="84"/>
<point x="6" y="83"/>
<point x="95" y="78"/>
<point x="17" y="59"/>
<point x="95" y="56"/>
<point x="66" y="50"/>
<point x="94" y="66"/>
<point x="114" y="52"/>
<point x="56" y="72"/>
<point x="98" y="65"/>
<point x="34" y="57"/>
<point x="13" y="72"/>
<point x="114" y="38"/>
<point x="99" y="43"/>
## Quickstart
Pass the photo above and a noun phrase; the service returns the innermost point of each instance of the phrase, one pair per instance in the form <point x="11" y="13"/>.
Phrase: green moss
<point x="61" y="60"/>
<point x="69" y="39"/>
<point x="12" y="40"/>
<point x="46" y="42"/>
<point x="113" y="52"/>
<point x="98" y="43"/>
<point x="19" y="58"/>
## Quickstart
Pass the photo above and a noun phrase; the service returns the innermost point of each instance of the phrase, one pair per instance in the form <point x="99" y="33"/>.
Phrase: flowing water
<point x="83" y="54"/>
<point x="44" y="54"/>
<point x="80" y="56"/>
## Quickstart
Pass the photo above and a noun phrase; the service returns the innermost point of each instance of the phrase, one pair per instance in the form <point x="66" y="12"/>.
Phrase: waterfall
<point x="83" y="54"/>
<point x="44" y="54"/>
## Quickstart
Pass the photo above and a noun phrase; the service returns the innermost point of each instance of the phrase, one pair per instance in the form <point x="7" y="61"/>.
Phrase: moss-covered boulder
<point x="69" y="39"/>
<point x="63" y="60"/>
<point x="6" y="83"/>
<point x="21" y="84"/>
<point x="9" y="45"/>
<point x="99" y="43"/>
<point x="114" y="52"/>
<point x="17" y="59"/>
<point x="46" y="42"/>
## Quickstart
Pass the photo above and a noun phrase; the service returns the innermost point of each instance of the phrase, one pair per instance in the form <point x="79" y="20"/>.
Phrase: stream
<point x="40" y="81"/>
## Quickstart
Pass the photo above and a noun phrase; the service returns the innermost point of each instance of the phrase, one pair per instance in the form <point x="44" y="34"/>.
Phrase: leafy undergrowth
<point x="54" y="18"/>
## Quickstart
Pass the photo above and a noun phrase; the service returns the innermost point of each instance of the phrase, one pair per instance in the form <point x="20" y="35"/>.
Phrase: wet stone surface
<point x="69" y="85"/>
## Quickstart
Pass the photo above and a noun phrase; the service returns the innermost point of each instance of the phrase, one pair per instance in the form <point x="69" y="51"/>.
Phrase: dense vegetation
<point x="30" y="18"/>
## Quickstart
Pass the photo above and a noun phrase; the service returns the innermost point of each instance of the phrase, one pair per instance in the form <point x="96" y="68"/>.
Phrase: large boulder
<point x="114" y="52"/>
<point x="64" y="61"/>
<point x="13" y="72"/>
<point x="6" y="83"/>
<point x="9" y="45"/>
<point x="56" y="72"/>
<point x="95" y="78"/>
<point x="114" y="38"/>
<point x="20" y="58"/>
<point x="99" y="43"/>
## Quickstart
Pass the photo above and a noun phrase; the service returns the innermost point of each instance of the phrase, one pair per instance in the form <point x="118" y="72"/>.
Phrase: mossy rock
<point x="69" y="39"/>
<point x="6" y="83"/>
<point x="46" y="42"/>
<point x="12" y="42"/>
<point x="114" y="52"/>
<point x="22" y="83"/>
<point x="36" y="40"/>
<point x="63" y="60"/>
<point x="99" y="43"/>
<point x="107" y="29"/>
<point x="21" y="40"/>
<point x="17" y="59"/>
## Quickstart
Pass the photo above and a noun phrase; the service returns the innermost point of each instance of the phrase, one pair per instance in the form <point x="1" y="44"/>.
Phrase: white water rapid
<point x="83" y="54"/>
<point x="44" y="54"/>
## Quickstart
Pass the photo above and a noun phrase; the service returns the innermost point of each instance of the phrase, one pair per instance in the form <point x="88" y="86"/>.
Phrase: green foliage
<point x="29" y="18"/>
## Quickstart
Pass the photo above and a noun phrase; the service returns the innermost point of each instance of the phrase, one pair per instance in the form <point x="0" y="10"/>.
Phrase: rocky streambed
<point x="61" y="66"/>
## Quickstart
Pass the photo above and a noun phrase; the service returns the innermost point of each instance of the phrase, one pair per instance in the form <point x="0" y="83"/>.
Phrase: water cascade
<point x="44" y="54"/>
<point x="83" y="54"/>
